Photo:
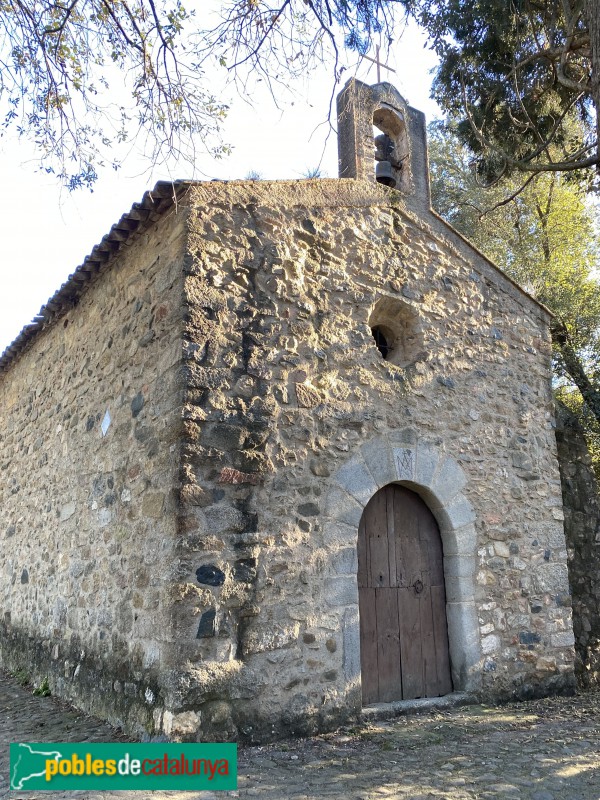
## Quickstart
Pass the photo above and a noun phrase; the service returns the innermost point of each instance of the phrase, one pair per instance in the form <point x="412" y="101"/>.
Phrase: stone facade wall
<point x="582" y="531"/>
<point x="290" y="413"/>
<point x="87" y="521"/>
<point x="193" y="572"/>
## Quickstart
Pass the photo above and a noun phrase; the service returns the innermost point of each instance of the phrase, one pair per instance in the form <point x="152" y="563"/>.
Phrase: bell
<point x="384" y="174"/>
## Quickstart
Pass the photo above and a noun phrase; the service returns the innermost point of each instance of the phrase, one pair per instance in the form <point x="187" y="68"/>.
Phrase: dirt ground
<point x="541" y="750"/>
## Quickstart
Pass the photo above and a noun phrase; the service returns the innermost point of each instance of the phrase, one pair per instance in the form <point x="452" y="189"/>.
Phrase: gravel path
<point x="543" y="750"/>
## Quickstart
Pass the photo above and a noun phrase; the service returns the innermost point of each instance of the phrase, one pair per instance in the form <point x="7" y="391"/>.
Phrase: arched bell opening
<point x="391" y="148"/>
<point x="404" y="650"/>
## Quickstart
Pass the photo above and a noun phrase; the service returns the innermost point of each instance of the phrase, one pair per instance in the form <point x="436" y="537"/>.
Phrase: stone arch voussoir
<point x="402" y="457"/>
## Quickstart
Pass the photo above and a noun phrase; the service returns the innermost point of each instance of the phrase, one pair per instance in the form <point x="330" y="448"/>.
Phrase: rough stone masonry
<point x="195" y="423"/>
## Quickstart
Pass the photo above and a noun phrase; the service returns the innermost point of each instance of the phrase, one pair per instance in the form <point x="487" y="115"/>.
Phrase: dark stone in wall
<point x="527" y="637"/>
<point x="142" y="432"/>
<point x="308" y="509"/>
<point x="582" y="531"/>
<point x="137" y="404"/>
<point x="210" y="575"/>
<point x="245" y="570"/>
<point x="223" y="436"/>
<point x="206" y="627"/>
<point x="24" y="576"/>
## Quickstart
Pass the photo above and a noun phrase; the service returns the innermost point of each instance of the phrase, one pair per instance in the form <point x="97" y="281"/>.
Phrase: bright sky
<point x="47" y="232"/>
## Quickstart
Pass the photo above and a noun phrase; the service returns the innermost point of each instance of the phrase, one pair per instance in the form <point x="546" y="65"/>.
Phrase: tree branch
<point x="510" y="198"/>
<point x="574" y="367"/>
<point x="526" y="165"/>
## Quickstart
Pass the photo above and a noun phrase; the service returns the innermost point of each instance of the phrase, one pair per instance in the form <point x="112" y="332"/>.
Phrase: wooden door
<point x="402" y="601"/>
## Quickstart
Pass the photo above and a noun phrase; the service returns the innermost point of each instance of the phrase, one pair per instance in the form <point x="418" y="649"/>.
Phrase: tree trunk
<point x="592" y="15"/>
<point x="574" y="367"/>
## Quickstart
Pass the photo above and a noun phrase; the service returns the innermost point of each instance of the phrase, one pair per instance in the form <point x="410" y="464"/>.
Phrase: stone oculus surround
<point x="192" y="571"/>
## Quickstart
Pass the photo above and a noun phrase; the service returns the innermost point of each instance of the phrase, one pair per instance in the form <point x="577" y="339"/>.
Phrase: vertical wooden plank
<point x="409" y="558"/>
<point x="368" y="646"/>
<point x="440" y="635"/>
<point x="410" y="643"/>
<point x="390" y="495"/>
<point x="376" y="530"/>
<point x="362" y="554"/>
<point x="430" y="534"/>
<point x="442" y="684"/>
<point x="388" y="645"/>
<point x="428" y="649"/>
<point x="399" y="526"/>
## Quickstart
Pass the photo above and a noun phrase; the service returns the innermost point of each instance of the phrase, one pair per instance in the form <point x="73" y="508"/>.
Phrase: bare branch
<point x="510" y="198"/>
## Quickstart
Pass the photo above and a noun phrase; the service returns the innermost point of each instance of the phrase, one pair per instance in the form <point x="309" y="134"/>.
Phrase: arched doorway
<point x="402" y="599"/>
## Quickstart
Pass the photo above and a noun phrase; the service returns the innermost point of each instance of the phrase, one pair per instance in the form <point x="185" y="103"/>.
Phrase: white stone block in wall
<point x="562" y="639"/>
<point x="490" y="644"/>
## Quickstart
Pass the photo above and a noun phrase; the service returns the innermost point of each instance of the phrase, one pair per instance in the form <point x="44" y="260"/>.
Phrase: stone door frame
<point x="403" y="458"/>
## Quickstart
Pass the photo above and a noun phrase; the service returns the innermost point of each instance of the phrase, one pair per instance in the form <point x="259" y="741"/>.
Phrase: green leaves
<point x="541" y="231"/>
<point x="518" y="76"/>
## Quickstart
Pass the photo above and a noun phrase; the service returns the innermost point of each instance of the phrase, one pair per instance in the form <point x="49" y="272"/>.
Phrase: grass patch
<point x="43" y="690"/>
<point x="21" y="676"/>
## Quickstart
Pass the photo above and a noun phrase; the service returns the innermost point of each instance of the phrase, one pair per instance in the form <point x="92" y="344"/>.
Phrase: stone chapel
<point x="278" y="451"/>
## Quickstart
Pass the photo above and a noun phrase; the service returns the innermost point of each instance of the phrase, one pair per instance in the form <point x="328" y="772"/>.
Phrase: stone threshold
<point x="398" y="708"/>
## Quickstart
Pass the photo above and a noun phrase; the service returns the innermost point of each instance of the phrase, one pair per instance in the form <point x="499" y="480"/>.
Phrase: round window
<point x="396" y="329"/>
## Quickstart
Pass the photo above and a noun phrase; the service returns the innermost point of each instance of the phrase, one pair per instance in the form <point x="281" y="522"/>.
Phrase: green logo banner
<point x="63" y="767"/>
